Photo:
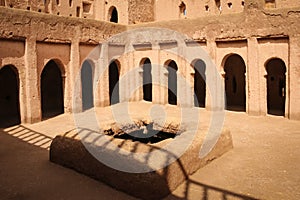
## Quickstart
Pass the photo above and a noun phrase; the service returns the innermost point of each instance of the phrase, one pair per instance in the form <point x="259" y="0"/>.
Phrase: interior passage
<point x="51" y="90"/>
<point x="114" y="83"/>
<point x="276" y="87"/>
<point x="199" y="84"/>
<point x="87" y="85"/>
<point x="147" y="80"/>
<point x="172" y="83"/>
<point x="235" y="84"/>
<point x="9" y="97"/>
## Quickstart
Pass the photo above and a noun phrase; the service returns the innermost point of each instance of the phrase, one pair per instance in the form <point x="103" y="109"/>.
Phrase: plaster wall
<point x="282" y="4"/>
<point x="168" y="10"/>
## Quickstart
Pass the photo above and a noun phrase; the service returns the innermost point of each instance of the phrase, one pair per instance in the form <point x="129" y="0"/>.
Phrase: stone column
<point x="103" y="84"/>
<point x="293" y="106"/>
<point x="211" y="74"/>
<point x="132" y="77"/>
<point x="74" y="81"/>
<point x="161" y="74"/>
<point x="32" y="83"/>
<point x="253" y="98"/>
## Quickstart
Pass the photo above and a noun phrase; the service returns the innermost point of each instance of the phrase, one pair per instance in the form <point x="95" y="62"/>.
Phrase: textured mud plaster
<point x="143" y="11"/>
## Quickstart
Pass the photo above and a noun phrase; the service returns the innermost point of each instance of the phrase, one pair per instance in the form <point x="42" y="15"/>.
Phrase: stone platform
<point x="69" y="150"/>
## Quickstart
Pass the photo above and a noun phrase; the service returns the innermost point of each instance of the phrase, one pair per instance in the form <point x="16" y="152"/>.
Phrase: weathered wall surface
<point x="33" y="5"/>
<point x="168" y="10"/>
<point x="140" y="11"/>
<point x="136" y="11"/>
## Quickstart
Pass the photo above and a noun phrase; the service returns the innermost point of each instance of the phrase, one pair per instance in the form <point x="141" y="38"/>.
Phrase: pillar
<point x="253" y="96"/>
<point x="73" y="100"/>
<point x="32" y="83"/>
<point x="293" y="106"/>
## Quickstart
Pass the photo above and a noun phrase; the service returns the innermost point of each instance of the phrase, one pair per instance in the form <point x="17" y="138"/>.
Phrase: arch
<point x="199" y="83"/>
<point x="9" y="96"/>
<point x="113" y="14"/>
<point x="114" y="73"/>
<point x="172" y="82"/>
<point x="147" y="79"/>
<point x="218" y="4"/>
<point x="182" y="9"/>
<point x="276" y="86"/>
<point x="52" y="100"/>
<point x="235" y="83"/>
<point x="87" y="85"/>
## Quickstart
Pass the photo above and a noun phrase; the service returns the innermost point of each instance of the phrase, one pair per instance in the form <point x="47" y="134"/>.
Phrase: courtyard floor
<point x="264" y="163"/>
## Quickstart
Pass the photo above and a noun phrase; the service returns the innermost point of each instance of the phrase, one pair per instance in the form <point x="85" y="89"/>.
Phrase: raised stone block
<point x="68" y="150"/>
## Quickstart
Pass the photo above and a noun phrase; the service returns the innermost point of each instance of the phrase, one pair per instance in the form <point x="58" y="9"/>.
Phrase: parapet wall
<point x="137" y="11"/>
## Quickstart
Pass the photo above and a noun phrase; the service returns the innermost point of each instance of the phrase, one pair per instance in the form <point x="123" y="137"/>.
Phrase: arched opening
<point x="199" y="83"/>
<point x="182" y="9"/>
<point x="172" y="82"/>
<point x="276" y="87"/>
<point x="52" y="99"/>
<point x="114" y="82"/>
<point x="218" y="4"/>
<point x="147" y="80"/>
<point x="113" y="14"/>
<point x="9" y="97"/>
<point x="87" y="85"/>
<point x="235" y="84"/>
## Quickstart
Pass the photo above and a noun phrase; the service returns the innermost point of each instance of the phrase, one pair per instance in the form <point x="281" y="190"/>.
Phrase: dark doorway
<point x="51" y="90"/>
<point x="235" y="84"/>
<point x="199" y="84"/>
<point x="87" y="86"/>
<point x="147" y="80"/>
<point x="172" y="83"/>
<point x="182" y="9"/>
<point x="276" y="90"/>
<point x="9" y="97"/>
<point x="114" y="83"/>
<point x="113" y="15"/>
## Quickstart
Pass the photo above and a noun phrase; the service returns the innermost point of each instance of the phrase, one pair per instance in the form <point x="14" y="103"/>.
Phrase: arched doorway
<point x="52" y="99"/>
<point x="182" y="10"/>
<point x="172" y="82"/>
<point x="114" y="82"/>
<point x="199" y="83"/>
<point x="87" y="85"/>
<point x="235" y="84"/>
<point x="113" y="14"/>
<point x="276" y="87"/>
<point x="147" y="80"/>
<point x="9" y="97"/>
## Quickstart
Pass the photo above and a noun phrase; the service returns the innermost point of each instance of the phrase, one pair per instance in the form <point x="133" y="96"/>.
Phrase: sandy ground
<point x="264" y="163"/>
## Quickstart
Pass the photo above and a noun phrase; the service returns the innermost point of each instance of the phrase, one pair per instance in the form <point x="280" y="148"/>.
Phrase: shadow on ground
<point x="27" y="173"/>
